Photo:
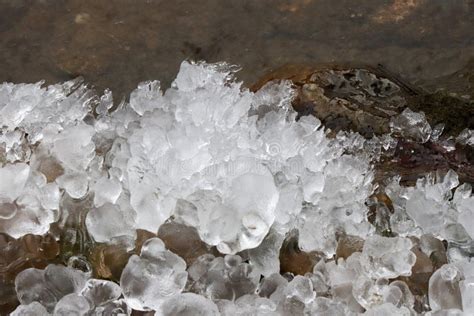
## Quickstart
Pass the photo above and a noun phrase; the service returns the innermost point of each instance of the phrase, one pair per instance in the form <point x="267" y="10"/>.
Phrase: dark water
<point x="118" y="43"/>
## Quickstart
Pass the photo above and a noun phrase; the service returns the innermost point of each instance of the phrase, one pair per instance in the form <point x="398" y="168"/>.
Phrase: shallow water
<point x="116" y="44"/>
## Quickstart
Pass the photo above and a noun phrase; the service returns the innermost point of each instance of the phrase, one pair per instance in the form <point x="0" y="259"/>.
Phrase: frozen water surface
<point x="241" y="171"/>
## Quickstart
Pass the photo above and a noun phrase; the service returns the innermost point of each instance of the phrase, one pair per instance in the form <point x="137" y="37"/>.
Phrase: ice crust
<point x="240" y="169"/>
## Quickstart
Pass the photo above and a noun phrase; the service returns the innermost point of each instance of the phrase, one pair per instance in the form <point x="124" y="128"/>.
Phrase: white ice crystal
<point x="100" y="292"/>
<point x="248" y="305"/>
<point x="222" y="278"/>
<point x="384" y="257"/>
<point x="150" y="279"/>
<point x="32" y="309"/>
<point x="110" y="221"/>
<point x="444" y="292"/>
<point x="200" y="142"/>
<point x="431" y="207"/>
<point x="59" y="290"/>
<point x="412" y="125"/>
<point x="48" y="286"/>
<point x="188" y="304"/>
<point x="466" y="286"/>
<point x="28" y="204"/>
<point x="466" y="137"/>
<point x="464" y="203"/>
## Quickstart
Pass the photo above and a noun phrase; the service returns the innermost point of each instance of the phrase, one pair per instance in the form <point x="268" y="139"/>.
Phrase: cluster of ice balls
<point x="238" y="162"/>
<point x="243" y="171"/>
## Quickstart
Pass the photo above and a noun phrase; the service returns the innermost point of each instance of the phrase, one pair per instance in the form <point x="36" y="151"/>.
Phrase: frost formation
<point x="244" y="172"/>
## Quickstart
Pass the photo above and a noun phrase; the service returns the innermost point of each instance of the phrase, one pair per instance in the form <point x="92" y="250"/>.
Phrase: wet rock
<point x="380" y="210"/>
<point x="346" y="98"/>
<point x="364" y="100"/>
<point x="108" y="261"/>
<point x="294" y="260"/>
<point x="456" y="113"/>
<point x="347" y="245"/>
<point x="411" y="160"/>
<point x="183" y="241"/>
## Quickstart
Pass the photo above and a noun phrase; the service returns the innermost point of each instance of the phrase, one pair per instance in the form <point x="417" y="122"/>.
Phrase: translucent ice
<point x="444" y="291"/>
<point x="74" y="147"/>
<point x="412" y="124"/>
<point x="222" y="278"/>
<point x="241" y="174"/>
<point x="101" y="292"/>
<point x="189" y="304"/>
<point x="110" y="221"/>
<point x="72" y="304"/>
<point x="466" y="287"/>
<point x="14" y="177"/>
<point x="106" y="191"/>
<point x="388" y="309"/>
<point x="27" y="202"/>
<point x="33" y="108"/>
<point x="326" y="307"/>
<point x="248" y="305"/>
<point x="48" y="286"/>
<point x="32" y="309"/>
<point x="464" y="202"/>
<point x="266" y="257"/>
<point x="238" y="215"/>
<point x="430" y="204"/>
<point x="150" y="279"/>
<point x="384" y="257"/>
<point x="466" y="137"/>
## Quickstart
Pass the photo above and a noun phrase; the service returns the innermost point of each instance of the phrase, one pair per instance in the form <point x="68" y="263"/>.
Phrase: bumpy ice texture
<point x="241" y="170"/>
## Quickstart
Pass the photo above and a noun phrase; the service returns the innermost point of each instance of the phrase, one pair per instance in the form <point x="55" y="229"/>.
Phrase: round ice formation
<point x="222" y="278"/>
<point x="150" y="279"/>
<point x="32" y="309"/>
<point x="248" y="305"/>
<point x="239" y="214"/>
<point x="101" y="292"/>
<point x="384" y="257"/>
<point x="72" y="304"/>
<point x="444" y="291"/>
<point x="48" y="286"/>
<point x="27" y="202"/>
<point x="109" y="221"/>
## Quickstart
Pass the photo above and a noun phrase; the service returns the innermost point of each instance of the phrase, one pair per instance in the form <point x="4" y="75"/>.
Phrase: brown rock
<point x="294" y="260"/>
<point x="347" y="245"/>
<point x="183" y="241"/>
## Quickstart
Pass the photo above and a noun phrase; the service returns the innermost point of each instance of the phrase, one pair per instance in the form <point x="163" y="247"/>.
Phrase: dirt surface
<point x="118" y="43"/>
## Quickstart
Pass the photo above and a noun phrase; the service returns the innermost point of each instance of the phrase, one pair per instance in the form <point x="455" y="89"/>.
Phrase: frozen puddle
<point x="241" y="170"/>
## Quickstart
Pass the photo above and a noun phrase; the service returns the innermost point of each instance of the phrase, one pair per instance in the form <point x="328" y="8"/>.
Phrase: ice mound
<point x="437" y="204"/>
<point x="149" y="279"/>
<point x="28" y="204"/>
<point x="238" y="161"/>
<point x="222" y="278"/>
<point x="243" y="174"/>
<point x="412" y="124"/>
<point x="60" y="290"/>
<point x="388" y="258"/>
<point x="49" y="286"/>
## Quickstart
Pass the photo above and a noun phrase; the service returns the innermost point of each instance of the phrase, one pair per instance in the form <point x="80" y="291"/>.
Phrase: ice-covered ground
<point x="245" y="173"/>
